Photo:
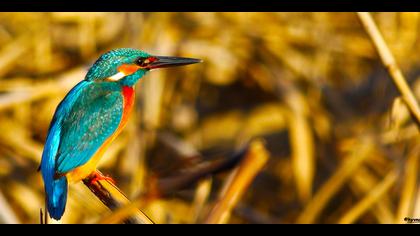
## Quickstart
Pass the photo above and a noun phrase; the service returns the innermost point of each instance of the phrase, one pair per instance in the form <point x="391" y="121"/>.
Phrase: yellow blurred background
<point x="343" y="147"/>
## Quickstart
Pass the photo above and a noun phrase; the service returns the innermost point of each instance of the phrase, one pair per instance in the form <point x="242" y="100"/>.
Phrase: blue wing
<point x="56" y="189"/>
<point x="54" y="133"/>
<point x="87" y="116"/>
<point x="93" y="117"/>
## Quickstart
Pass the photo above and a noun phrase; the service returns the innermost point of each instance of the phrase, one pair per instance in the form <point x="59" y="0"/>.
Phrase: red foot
<point x="96" y="176"/>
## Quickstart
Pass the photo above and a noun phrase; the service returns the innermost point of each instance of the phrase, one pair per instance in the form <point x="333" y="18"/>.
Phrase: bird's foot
<point x="96" y="176"/>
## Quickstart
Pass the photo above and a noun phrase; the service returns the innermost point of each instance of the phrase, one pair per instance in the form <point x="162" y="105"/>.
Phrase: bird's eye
<point x="145" y="61"/>
<point x="142" y="61"/>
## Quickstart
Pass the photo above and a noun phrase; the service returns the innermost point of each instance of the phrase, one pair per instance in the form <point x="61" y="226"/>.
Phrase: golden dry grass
<point x="340" y="144"/>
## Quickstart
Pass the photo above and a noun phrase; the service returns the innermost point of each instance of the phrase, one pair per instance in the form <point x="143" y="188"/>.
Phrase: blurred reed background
<point x="342" y="145"/>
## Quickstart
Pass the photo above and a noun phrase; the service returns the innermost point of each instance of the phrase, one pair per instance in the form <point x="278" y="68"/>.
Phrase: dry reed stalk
<point x="335" y="182"/>
<point x="391" y="65"/>
<point x="202" y="193"/>
<point x="303" y="157"/>
<point x="125" y="211"/>
<point x="10" y="53"/>
<point x="159" y="188"/>
<point x="408" y="192"/>
<point x="362" y="182"/>
<point x="114" y="198"/>
<point x="416" y="204"/>
<point x="371" y="198"/>
<point x="7" y="215"/>
<point x="237" y="183"/>
<point x="33" y="92"/>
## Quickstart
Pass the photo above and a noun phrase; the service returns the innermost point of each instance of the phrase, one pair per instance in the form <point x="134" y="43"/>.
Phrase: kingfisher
<point x="90" y="117"/>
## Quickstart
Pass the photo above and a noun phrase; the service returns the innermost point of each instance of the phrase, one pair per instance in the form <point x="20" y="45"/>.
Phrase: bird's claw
<point x="98" y="176"/>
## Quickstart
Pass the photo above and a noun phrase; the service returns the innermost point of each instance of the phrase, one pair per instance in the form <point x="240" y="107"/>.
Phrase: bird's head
<point x="126" y="65"/>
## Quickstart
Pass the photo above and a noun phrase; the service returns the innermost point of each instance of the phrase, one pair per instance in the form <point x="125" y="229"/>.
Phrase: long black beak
<point x="162" y="62"/>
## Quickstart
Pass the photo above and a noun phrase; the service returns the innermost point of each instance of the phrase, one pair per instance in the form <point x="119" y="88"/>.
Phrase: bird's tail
<point x="55" y="188"/>
<point x="56" y="191"/>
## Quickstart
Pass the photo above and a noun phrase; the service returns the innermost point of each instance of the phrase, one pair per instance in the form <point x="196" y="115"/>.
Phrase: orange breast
<point x="129" y="95"/>
<point x="85" y="170"/>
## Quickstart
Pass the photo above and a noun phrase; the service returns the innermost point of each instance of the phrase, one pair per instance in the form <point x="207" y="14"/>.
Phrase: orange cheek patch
<point x="128" y="69"/>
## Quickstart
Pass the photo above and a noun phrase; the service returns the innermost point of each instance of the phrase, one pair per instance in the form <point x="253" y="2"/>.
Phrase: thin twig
<point x="237" y="183"/>
<point x="114" y="198"/>
<point x="41" y="217"/>
<point x="389" y="62"/>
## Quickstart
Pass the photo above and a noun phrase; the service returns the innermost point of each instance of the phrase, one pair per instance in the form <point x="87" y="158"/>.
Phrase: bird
<point x="90" y="117"/>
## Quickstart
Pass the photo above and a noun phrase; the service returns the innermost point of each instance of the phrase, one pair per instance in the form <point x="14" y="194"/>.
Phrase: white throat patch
<point x="117" y="76"/>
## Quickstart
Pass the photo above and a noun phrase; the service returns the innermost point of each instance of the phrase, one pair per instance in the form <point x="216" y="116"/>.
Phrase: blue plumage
<point x="107" y="64"/>
<point x="93" y="118"/>
<point x="56" y="189"/>
<point x="89" y="116"/>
